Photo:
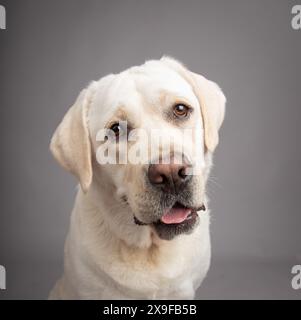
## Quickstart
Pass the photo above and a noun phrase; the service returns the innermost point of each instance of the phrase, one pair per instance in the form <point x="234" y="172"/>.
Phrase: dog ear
<point x="70" y="143"/>
<point x="211" y="99"/>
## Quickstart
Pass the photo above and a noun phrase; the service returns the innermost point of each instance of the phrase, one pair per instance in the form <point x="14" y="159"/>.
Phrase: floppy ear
<point x="70" y="143"/>
<point x="211" y="99"/>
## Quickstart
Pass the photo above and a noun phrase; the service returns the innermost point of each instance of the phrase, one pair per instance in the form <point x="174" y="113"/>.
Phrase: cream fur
<point x="107" y="256"/>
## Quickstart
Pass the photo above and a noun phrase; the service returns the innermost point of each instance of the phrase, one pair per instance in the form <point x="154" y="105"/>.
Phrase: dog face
<point x="130" y="110"/>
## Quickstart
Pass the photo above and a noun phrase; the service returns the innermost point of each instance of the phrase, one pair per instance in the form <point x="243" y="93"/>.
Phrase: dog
<point x="139" y="230"/>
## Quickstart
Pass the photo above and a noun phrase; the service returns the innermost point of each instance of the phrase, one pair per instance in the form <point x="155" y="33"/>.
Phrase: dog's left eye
<point x="181" y="110"/>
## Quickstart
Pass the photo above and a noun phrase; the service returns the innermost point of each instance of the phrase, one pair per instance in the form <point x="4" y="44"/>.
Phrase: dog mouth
<point x="175" y="220"/>
<point x="177" y="214"/>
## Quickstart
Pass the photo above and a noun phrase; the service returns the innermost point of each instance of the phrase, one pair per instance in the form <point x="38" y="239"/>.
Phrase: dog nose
<point x="169" y="177"/>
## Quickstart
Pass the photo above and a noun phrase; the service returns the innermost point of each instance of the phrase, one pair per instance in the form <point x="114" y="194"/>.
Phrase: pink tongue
<point x="175" y="215"/>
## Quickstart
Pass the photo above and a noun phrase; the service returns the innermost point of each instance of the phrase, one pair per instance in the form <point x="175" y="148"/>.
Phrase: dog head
<point x="109" y="140"/>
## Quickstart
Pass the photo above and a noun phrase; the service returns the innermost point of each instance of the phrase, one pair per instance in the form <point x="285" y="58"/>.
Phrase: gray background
<point x="52" y="49"/>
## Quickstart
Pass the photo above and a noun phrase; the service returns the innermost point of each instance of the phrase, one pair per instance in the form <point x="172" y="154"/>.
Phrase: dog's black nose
<point x="169" y="177"/>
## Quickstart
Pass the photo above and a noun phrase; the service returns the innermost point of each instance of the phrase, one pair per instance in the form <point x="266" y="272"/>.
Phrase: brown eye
<point x="181" y="110"/>
<point x="116" y="129"/>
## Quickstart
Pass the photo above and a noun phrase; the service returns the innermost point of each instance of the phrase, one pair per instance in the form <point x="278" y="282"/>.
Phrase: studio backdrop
<point x="50" y="50"/>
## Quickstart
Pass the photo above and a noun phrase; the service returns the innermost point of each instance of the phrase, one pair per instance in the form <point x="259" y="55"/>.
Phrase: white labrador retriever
<point x="138" y="231"/>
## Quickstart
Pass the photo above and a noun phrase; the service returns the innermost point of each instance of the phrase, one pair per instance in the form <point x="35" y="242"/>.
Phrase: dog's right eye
<point x="116" y="129"/>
